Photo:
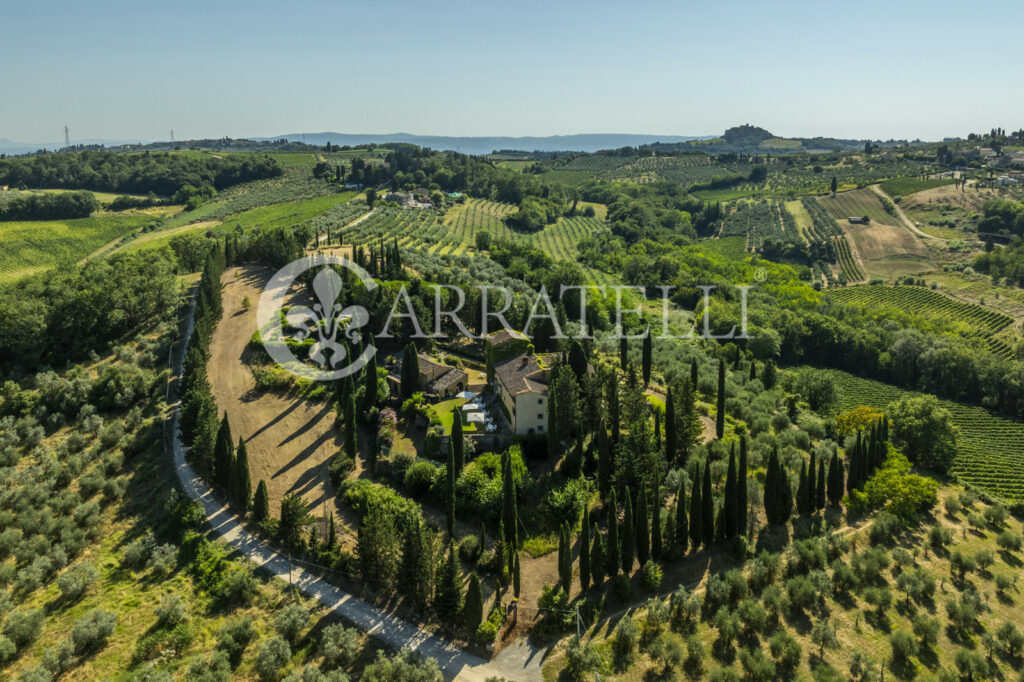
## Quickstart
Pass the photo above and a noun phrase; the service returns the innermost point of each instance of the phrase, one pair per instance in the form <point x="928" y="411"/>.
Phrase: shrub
<point x="926" y="629"/>
<point x="338" y="646"/>
<point x="170" y="612"/>
<point x="236" y="587"/>
<point x="469" y="549"/>
<point x="420" y="477"/>
<point x="74" y="582"/>
<point x="234" y="636"/>
<point x="406" y="666"/>
<point x="624" y="641"/>
<point x="288" y="623"/>
<point x="652" y="575"/>
<point x="91" y="631"/>
<point x="1009" y="541"/>
<point x="7" y="649"/>
<point x="163" y="560"/>
<point x="581" y="660"/>
<point x="138" y="551"/>
<point x="939" y="536"/>
<point x="273" y="654"/>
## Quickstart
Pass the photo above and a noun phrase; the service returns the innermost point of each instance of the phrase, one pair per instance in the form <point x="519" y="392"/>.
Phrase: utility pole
<point x="172" y="136"/>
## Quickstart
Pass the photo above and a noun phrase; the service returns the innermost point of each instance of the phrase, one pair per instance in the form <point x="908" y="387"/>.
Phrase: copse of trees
<point x="49" y="206"/>
<point x="161" y="173"/>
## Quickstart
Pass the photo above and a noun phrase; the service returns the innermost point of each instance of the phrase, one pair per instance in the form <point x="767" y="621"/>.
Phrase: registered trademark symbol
<point x="760" y="274"/>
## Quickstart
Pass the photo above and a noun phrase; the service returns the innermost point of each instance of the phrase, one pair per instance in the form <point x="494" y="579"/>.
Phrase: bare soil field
<point x="887" y="250"/>
<point x="289" y="440"/>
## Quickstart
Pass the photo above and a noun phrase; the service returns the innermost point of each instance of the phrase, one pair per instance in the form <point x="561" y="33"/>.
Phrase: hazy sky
<point x="904" y="69"/>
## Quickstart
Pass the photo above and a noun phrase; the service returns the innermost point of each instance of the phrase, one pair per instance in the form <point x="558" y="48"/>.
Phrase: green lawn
<point x="445" y="411"/>
<point x="901" y="187"/>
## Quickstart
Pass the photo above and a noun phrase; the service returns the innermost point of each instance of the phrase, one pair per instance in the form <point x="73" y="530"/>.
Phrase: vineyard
<point x="847" y="263"/>
<point x="903" y="186"/>
<point x="422" y="229"/>
<point x="965" y="319"/>
<point x="988" y="446"/>
<point x="29" y="246"/>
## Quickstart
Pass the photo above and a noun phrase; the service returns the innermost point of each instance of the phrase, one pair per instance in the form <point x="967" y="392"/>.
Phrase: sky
<point x="899" y="69"/>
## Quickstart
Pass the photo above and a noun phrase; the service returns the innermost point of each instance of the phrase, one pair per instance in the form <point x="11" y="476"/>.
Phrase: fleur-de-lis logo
<point x="323" y="323"/>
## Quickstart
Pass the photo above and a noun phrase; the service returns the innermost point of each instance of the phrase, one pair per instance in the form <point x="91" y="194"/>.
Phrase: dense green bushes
<point x="49" y="206"/>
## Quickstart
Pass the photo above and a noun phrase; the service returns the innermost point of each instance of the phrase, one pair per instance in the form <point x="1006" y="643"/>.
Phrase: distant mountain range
<point x="485" y="145"/>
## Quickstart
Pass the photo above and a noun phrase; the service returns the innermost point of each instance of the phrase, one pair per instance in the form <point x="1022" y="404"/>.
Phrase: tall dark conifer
<point x="720" y="416"/>
<point x="645" y="359"/>
<point x="223" y="455"/>
<point x="656" y="521"/>
<point x="741" y="488"/>
<point x="729" y="504"/>
<point x="627" y="538"/>
<point x="643" y="534"/>
<point x="682" y="528"/>
<point x="458" y="443"/>
<point x="671" y="444"/>
<point x="449" y="500"/>
<point x="707" y="516"/>
<point x="611" y="551"/>
<point x="585" y="552"/>
<point x="696" y="512"/>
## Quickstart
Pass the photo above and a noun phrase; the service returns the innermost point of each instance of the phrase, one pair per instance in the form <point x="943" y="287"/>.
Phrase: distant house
<point x="437" y="378"/>
<point x="521" y="384"/>
<point x="1006" y="180"/>
<point x="353" y="185"/>
<point x="857" y="220"/>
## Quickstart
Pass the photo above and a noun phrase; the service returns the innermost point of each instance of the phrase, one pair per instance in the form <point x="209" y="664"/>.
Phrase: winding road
<point x="518" y="661"/>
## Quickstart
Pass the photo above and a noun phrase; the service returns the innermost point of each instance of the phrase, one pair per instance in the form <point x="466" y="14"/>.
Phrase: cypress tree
<point x="682" y="529"/>
<point x="241" y="484"/>
<point x="753" y="370"/>
<point x="623" y="350"/>
<point x="729" y="504"/>
<point x="561" y="560"/>
<point x="696" y="513"/>
<point x="812" y="483"/>
<point x="474" y="609"/>
<point x="261" y="503"/>
<point x="370" y="394"/>
<point x="707" y="516"/>
<point x="693" y="373"/>
<point x="741" y="488"/>
<point x="597" y="559"/>
<point x="671" y="444"/>
<point x="350" y="428"/>
<point x="458" y="443"/>
<point x="627" y="537"/>
<point x="223" y="454"/>
<point x="613" y="408"/>
<point x="448" y="594"/>
<point x="332" y="533"/>
<point x="720" y="417"/>
<point x="516" y="582"/>
<point x="771" y="488"/>
<point x="605" y="463"/>
<point x="508" y="494"/>
<point x="835" y="479"/>
<point x="819" y="490"/>
<point x="612" y="547"/>
<point x="656" y="521"/>
<point x="785" y="495"/>
<point x="768" y="375"/>
<point x="410" y="376"/>
<point x="499" y="551"/>
<point x="643" y="534"/>
<point x="552" y="435"/>
<point x="802" y="498"/>
<point x="449" y="505"/>
<point x="645" y="359"/>
<point x="585" y="552"/>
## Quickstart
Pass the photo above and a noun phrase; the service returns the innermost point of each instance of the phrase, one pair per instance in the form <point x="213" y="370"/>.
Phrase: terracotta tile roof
<point x="522" y="374"/>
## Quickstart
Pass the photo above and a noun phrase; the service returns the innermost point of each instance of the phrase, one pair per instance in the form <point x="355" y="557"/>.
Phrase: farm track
<point x="907" y="223"/>
<point x="520" y="661"/>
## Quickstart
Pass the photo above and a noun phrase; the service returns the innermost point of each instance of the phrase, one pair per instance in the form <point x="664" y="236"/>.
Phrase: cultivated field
<point x="966" y="319"/>
<point x="31" y="246"/>
<point x="858" y="202"/>
<point x="989" y="453"/>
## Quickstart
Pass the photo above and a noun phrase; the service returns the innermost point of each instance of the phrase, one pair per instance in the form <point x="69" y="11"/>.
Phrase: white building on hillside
<point x="522" y="387"/>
